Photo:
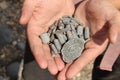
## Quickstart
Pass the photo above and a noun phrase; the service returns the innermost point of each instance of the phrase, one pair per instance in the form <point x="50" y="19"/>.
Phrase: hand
<point x="39" y="15"/>
<point x="104" y="21"/>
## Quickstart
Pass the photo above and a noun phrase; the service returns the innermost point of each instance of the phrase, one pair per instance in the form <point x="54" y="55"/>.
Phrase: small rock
<point x="14" y="43"/>
<point x="12" y="70"/>
<point x="21" y="46"/>
<point x="6" y="34"/>
<point x="3" y="5"/>
<point x="1" y="78"/>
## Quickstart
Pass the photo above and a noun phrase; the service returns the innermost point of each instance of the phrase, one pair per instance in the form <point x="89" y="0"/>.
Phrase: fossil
<point x="86" y="33"/>
<point x="54" y="49"/>
<point x="66" y="36"/>
<point x="57" y="44"/>
<point x="45" y="38"/>
<point x="72" y="49"/>
<point x="61" y="38"/>
<point x="80" y="31"/>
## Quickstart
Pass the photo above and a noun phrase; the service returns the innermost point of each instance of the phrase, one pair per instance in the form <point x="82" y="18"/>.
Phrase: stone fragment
<point x="69" y="35"/>
<point x="80" y="31"/>
<point x="57" y="44"/>
<point x="65" y="37"/>
<point x="72" y="49"/>
<point x="54" y="49"/>
<point x="60" y="38"/>
<point x="66" y="20"/>
<point x="73" y="22"/>
<point x="63" y="30"/>
<point x="60" y="24"/>
<point x="86" y="33"/>
<point x="45" y="38"/>
<point x="74" y="34"/>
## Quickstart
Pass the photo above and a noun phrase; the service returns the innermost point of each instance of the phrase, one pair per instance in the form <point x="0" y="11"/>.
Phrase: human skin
<point x="39" y="15"/>
<point x="103" y="18"/>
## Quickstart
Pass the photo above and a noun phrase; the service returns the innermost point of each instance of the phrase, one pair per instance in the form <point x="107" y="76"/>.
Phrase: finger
<point x="80" y="14"/>
<point x="59" y="62"/>
<point x="88" y="55"/>
<point x="62" y="74"/>
<point x="27" y="11"/>
<point x="36" y="45"/>
<point x="52" y="67"/>
<point x="113" y="34"/>
<point x="114" y="27"/>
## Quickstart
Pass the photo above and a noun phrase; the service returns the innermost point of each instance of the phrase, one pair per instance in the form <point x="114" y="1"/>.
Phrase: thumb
<point x="27" y="11"/>
<point x="114" y="30"/>
<point x="80" y="13"/>
<point x="113" y="34"/>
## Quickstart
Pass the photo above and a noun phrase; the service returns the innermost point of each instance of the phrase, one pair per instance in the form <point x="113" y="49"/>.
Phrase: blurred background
<point x="12" y="42"/>
<point x="12" y="38"/>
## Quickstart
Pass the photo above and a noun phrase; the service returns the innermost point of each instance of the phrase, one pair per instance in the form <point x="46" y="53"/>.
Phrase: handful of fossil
<point x="66" y="36"/>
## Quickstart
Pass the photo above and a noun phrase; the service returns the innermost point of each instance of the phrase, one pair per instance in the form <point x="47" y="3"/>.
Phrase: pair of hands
<point x="100" y="15"/>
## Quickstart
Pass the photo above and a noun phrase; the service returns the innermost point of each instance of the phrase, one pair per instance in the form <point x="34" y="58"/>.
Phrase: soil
<point x="9" y="16"/>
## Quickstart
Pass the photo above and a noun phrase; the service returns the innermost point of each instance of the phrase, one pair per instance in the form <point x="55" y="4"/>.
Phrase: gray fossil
<point x="86" y="33"/>
<point x="45" y="38"/>
<point x="72" y="49"/>
<point x="68" y="37"/>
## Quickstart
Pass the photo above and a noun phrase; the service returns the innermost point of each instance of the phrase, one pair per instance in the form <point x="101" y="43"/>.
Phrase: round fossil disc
<point x="72" y="49"/>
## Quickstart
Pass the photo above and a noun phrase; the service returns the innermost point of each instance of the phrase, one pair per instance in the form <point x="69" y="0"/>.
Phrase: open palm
<point x="104" y="21"/>
<point x="39" y="15"/>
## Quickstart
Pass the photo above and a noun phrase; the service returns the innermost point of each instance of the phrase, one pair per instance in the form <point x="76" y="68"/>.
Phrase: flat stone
<point x="72" y="49"/>
<point x="12" y="70"/>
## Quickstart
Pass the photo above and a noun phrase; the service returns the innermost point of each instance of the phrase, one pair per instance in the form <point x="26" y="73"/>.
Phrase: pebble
<point x="6" y="35"/>
<point x="14" y="43"/>
<point x="12" y="70"/>
<point x="1" y="78"/>
<point x="3" y="5"/>
<point x="21" y="45"/>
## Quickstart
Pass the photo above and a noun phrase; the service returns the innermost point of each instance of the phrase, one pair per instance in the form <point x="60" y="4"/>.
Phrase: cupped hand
<point x="104" y="22"/>
<point x="39" y="15"/>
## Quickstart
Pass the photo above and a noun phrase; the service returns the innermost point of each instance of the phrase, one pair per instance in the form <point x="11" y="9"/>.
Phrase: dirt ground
<point x="13" y="50"/>
<point x="9" y="16"/>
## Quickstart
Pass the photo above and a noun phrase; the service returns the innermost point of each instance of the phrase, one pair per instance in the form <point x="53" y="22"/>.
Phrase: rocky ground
<point x="12" y="41"/>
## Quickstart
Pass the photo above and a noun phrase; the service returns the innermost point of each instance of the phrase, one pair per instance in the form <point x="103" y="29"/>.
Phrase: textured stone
<point x="86" y="33"/>
<point x="72" y="49"/>
<point x="45" y="38"/>
<point x="68" y="37"/>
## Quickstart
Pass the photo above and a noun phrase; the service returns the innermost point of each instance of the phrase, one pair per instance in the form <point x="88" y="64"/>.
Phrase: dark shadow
<point x="31" y="69"/>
